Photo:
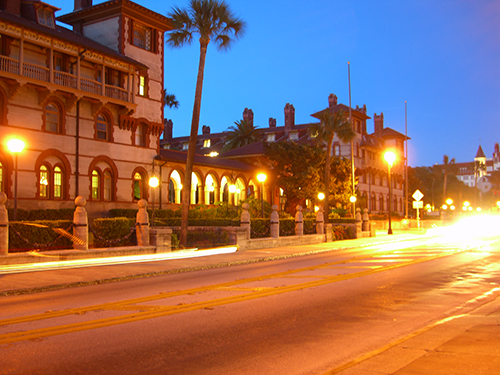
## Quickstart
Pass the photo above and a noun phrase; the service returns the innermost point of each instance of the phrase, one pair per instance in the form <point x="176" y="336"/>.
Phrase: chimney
<point x="248" y="116"/>
<point x="289" y="117"/>
<point x="272" y="122"/>
<point x="11" y="6"/>
<point x="332" y="100"/>
<point x="168" y="126"/>
<point x="205" y="129"/>
<point x="82" y="4"/>
<point x="379" y="124"/>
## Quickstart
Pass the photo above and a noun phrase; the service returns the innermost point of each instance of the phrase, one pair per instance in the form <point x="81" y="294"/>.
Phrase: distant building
<point x="476" y="173"/>
<point x="370" y="167"/>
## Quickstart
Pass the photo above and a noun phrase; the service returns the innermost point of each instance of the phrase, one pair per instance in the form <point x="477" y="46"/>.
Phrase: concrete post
<point x="299" y="222"/>
<point x="245" y="219"/>
<point x="366" y="220"/>
<point x="142" y="224"/>
<point x="275" y="222"/>
<point x="81" y="225"/>
<point x="4" y="225"/>
<point x="320" y="221"/>
<point x="358" y="214"/>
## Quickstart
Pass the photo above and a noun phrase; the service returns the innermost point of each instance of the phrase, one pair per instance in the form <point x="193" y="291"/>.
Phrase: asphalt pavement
<point x="463" y="344"/>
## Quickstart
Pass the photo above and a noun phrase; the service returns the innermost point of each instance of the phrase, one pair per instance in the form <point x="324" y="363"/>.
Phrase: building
<point x="87" y="102"/>
<point x="370" y="167"/>
<point x="476" y="173"/>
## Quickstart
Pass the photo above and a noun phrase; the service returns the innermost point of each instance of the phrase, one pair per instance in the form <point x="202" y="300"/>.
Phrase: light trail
<point x="93" y="262"/>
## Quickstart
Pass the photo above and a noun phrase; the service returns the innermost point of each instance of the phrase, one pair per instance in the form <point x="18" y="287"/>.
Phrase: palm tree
<point x="169" y="100"/>
<point x="448" y="165"/>
<point x="331" y="124"/>
<point x="211" y="20"/>
<point x="244" y="133"/>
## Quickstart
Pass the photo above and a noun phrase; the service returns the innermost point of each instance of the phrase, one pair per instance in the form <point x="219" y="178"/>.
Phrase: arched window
<point x="381" y="203"/>
<point x="52" y="118"/>
<point x="57" y="183"/>
<point x="107" y="186"/>
<point x="102" y="128"/>
<point x="44" y="182"/>
<point x="96" y="185"/>
<point x="138" y="186"/>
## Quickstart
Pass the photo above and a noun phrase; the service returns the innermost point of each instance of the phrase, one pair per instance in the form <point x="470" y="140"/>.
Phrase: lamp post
<point x="232" y="190"/>
<point x="261" y="177"/>
<point x="153" y="182"/>
<point x="15" y="146"/>
<point x="390" y="157"/>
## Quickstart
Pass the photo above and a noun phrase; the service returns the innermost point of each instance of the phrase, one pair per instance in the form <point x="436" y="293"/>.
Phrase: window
<point x="96" y="185"/>
<point x="139" y="136"/>
<point x="270" y="137"/>
<point x="143" y="84"/>
<point x="52" y="118"/>
<point x="1" y="176"/>
<point x="45" y="17"/>
<point x="294" y="136"/>
<point x="206" y="143"/>
<point x="102" y="128"/>
<point x="57" y="183"/>
<point x="142" y="37"/>
<point x="138" y="186"/>
<point x="107" y="185"/>
<point x="44" y="182"/>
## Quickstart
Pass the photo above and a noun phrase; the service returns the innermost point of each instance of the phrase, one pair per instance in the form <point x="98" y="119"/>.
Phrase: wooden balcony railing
<point x="41" y="73"/>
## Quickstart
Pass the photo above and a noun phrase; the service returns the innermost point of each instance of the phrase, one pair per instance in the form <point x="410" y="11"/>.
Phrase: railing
<point x="41" y="73"/>
<point x="65" y="79"/>
<point x="91" y="86"/>
<point x="36" y="72"/>
<point x="9" y="65"/>
<point x="116" y="92"/>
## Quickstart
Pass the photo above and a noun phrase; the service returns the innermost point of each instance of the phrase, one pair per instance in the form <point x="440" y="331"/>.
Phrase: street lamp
<point x="15" y="146"/>
<point x="261" y="177"/>
<point x="153" y="182"/>
<point x="232" y="190"/>
<point x="390" y="157"/>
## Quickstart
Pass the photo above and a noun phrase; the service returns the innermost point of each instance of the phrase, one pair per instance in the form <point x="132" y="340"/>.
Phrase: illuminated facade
<point x="88" y="102"/>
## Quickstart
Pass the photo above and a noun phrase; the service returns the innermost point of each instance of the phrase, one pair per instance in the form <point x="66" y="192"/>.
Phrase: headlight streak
<point x="80" y="263"/>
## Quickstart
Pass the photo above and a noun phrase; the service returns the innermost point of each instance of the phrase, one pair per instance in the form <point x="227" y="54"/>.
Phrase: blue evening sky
<point x="441" y="56"/>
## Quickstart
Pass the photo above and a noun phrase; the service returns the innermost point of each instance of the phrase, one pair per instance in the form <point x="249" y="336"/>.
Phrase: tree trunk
<point x="326" y="209"/>
<point x="186" y="189"/>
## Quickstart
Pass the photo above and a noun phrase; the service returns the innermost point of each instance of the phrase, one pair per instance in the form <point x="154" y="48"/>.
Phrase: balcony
<point x="43" y="74"/>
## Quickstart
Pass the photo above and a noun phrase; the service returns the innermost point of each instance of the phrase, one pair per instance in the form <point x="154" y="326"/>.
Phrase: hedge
<point x="40" y="235"/>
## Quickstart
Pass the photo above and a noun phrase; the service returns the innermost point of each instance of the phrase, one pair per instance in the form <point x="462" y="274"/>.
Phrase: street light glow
<point x="261" y="177"/>
<point x="321" y="196"/>
<point x="15" y="145"/>
<point x="154" y="182"/>
<point x="352" y="199"/>
<point x="390" y="157"/>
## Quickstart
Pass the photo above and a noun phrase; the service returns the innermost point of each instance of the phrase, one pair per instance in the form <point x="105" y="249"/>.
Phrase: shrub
<point x="341" y="232"/>
<point x="203" y="238"/>
<point x="40" y="235"/>
<point x="260" y="228"/>
<point x="113" y="232"/>
<point x="287" y="227"/>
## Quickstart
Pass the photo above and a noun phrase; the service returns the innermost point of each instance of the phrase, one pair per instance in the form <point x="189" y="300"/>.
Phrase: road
<point x="307" y="315"/>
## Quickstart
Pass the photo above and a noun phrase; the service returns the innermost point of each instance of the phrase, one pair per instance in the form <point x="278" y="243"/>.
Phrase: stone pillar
<point x="320" y="221"/>
<point x="161" y="238"/>
<point x="299" y="221"/>
<point x="81" y="225"/>
<point x="366" y="220"/>
<point x="275" y="222"/>
<point x="245" y="219"/>
<point x="4" y="226"/>
<point x="142" y="224"/>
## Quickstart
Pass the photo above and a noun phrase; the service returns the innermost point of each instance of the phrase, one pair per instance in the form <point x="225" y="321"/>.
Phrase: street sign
<point x="417" y="195"/>
<point x="418" y="204"/>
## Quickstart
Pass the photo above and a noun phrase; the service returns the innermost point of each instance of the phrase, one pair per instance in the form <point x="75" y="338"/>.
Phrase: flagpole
<point x="406" y="163"/>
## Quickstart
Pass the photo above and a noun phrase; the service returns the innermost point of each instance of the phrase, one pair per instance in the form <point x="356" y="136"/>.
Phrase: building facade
<point x="368" y="148"/>
<point x="87" y="102"/>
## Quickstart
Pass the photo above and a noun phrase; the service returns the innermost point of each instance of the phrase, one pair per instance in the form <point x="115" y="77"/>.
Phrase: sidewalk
<point x="463" y="344"/>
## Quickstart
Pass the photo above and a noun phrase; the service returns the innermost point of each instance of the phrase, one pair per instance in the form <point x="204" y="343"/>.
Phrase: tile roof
<point x="180" y="156"/>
